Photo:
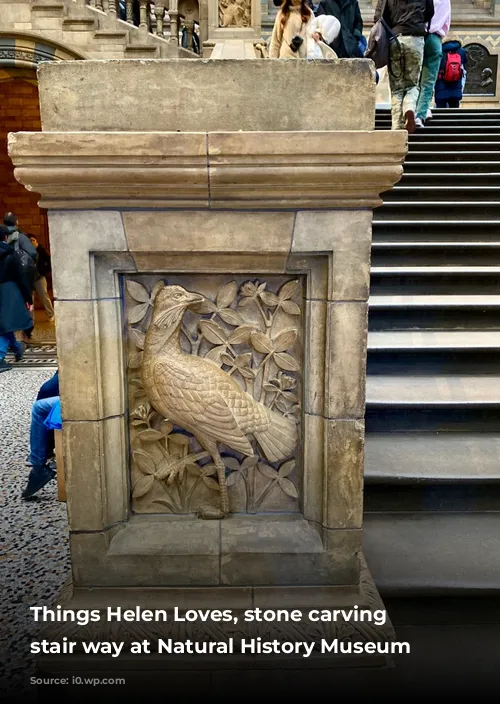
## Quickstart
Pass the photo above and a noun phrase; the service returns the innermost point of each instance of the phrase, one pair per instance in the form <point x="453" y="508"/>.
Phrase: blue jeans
<point x="8" y="341"/>
<point x="39" y="433"/>
<point x="433" y="52"/>
<point x="49" y="388"/>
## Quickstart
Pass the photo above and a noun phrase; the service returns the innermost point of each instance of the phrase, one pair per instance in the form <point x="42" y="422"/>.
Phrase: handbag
<point x="379" y="41"/>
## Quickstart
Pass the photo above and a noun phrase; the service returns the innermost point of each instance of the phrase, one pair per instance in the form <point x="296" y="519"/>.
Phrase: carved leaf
<point x="288" y="290"/>
<point x="135" y="361"/>
<point x="285" y="340"/>
<point x="270" y="299"/>
<point x="231" y="317"/>
<point x="233" y="478"/>
<point x="209" y="470"/>
<point x="144" y="461"/>
<point x="244" y="302"/>
<point x="137" y="313"/>
<point x="193" y="469"/>
<point x="247" y="373"/>
<point x="215" y="353"/>
<point x="182" y="443"/>
<point x="227" y="294"/>
<point x="205" y="306"/>
<point x="290" y="307"/>
<point x="210" y="483"/>
<point x="270" y="387"/>
<point x="281" y="406"/>
<point x="150" y="435"/>
<point x="142" y="486"/>
<point x="267" y="471"/>
<point x="290" y="396"/>
<point x="226" y="359"/>
<point x="231" y="463"/>
<point x="138" y="422"/>
<point x="156" y="289"/>
<point x="137" y="337"/>
<point x="249" y="462"/>
<point x="241" y="334"/>
<point x="261" y="287"/>
<point x="261" y="342"/>
<point x="288" y="487"/>
<point x="286" y="468"/>
<point x="243" y="360"/>
<point x="166" y="427"/>
<point x="286" y="361"/>
<point x="212" y="332"/>
<point x="137" y="292"/>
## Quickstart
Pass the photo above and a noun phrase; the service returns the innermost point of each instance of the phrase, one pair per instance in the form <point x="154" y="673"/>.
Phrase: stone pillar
<point x="206" y="261"/>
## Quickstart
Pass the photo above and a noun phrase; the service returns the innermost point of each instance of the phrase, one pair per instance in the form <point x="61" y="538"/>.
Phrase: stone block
<point x="314" y="468"/>
<point x="110" y="370"/>
<point x="216" y="262"/>
<point x="194" y="100"/>
<point x="104" y="273"/>
<point x="314" y="361"/>
<point x="347" y="327"/>
<point x="73" y="235"/>
<point x="343" y="480"/>
<point x="347" y="233"/>
<point x="223" y="233"/>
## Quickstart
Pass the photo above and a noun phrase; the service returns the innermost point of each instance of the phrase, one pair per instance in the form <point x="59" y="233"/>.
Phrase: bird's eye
<point x="177" y="296"/>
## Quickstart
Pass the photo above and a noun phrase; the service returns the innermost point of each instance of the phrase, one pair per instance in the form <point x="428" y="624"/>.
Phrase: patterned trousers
<point x="404" y="77"/>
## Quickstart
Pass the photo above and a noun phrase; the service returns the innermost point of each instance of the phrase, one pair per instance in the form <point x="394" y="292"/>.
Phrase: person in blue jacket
<point x="448" y="94"/>
<point x="45" y="417"/>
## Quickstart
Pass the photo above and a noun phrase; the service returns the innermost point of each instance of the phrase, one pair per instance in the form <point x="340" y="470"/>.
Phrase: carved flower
<point x="238" y="470"/>
<point x="141" y="414"/>
<point x="280" y="477"/>
<point x="250" y="291"/>
<point x="283" y="381"/>
<point x="144" y="300"/>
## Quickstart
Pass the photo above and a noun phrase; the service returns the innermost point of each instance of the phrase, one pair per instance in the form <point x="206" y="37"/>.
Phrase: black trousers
<point x="450" y="103"/>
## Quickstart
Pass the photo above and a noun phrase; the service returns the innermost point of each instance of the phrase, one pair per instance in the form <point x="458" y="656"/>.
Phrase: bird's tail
<point x="279" y="440"/>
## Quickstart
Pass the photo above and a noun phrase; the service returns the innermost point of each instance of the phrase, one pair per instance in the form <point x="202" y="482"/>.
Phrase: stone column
<point x="228" y="245"/>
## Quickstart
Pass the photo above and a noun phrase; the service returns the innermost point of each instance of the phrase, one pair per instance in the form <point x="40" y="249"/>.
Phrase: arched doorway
<point x="20" y="112"/>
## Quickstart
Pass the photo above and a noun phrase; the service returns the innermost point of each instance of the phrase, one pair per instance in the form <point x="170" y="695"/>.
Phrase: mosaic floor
<point x="34" y="557"/>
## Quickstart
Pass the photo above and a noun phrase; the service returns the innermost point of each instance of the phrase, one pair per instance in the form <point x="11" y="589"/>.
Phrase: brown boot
<point x="410" y="121"/>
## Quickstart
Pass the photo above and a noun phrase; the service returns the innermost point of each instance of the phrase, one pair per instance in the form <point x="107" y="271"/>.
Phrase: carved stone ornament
<point x="234" y="13"/>
<point x="481" y="70"/>
<point x="214" y="395"/>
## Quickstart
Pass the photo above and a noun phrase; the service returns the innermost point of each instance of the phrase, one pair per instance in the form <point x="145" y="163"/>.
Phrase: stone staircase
<point x="432" y="472"/>
<point x="92" y="33"/>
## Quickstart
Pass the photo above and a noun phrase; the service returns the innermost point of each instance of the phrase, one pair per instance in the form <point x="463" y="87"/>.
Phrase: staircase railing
<point x="141" y="13"/>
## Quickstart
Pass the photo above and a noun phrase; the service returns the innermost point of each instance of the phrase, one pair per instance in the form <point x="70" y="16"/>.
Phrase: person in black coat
<point x="15" y="300"/>
<point x="347" y="44"/>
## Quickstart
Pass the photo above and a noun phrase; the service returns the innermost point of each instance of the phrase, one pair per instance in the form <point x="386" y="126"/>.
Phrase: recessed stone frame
<point x="331" y="249"/>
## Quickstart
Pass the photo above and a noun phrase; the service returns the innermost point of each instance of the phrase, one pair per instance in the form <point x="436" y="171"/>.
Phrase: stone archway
<point x="20" y="112"/>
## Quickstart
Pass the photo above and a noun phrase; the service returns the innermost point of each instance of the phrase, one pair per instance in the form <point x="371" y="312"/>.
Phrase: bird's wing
<point x="196" y="403"/>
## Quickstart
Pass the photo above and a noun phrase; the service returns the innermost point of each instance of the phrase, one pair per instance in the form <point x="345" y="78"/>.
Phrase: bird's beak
<point x="195" y="298"/>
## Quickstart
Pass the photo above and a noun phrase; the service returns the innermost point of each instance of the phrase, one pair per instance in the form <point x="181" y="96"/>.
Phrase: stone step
<point x="431" y="193"/>
<point x="465" y="390"/>
<point x="431" y="301"/>
<point x="459" y="154"/>
<point x="451" y="179"/>
<point x="82" y="23"/>
<point x="47" y="8"/>
<point x="430" y="340"/>
<point x="425" y="270"/>
<point x="106" y="36"/>
<point x="141" y="50"/>
<point x="413" y="458"/>
<point x="448" y="253"/>
<point x="431" y="553"/>
<point x="432" y="166"/>
<point x="448" y="210"/>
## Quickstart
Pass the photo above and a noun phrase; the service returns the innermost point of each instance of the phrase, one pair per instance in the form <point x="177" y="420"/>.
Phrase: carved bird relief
<point x="197" y="395"/>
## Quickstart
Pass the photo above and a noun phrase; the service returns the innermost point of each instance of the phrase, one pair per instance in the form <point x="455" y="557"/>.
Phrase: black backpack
<point x="27" y="262"/>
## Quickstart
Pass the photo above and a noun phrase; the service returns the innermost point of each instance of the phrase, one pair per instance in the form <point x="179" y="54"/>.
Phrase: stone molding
<point x="215" y="170"/>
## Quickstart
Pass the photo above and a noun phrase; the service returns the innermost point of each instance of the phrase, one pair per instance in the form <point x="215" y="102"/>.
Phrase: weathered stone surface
<point x="315" y="358"/>
<point x="347" y="325"/>
<point x="104" y="268"/>
<point x="314" y="468"/>
<point x="343" y="487"/>
<point x="110" y="369"/>
<point x="194" y="100"/>
<point x="77" y="356"/>
<point x="348" y="234"/>
<point x="72" y="236"/>
<point x="275" y="535"/>
<point x="224" y="233"/>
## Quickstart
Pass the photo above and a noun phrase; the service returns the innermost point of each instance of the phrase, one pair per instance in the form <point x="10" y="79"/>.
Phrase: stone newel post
<point x="211" y="253"/>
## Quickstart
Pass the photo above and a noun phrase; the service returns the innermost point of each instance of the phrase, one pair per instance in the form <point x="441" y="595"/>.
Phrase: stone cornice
<point x="246" y="170"/>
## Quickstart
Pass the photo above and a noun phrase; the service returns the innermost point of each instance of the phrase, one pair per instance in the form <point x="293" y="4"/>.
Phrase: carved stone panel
<point x="234" y="13"/>
<point x="481" y="71"/>
<point x="214" y="393"/>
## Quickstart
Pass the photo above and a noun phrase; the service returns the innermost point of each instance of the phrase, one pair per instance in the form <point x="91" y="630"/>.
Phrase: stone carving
<point x="481" y="70"/>
<point x="234" y="13"/>
<point x="227" y="379"/>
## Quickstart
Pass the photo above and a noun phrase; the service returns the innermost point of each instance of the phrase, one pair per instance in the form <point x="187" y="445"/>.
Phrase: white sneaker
<point x="418" y="123"/>
<point x="429" y="114"/>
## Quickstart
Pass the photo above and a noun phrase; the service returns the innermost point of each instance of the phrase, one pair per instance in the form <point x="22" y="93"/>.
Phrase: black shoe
<point x="4" y="367"/>
<point x="40" y="475"/>
<point x="20" y="354"/>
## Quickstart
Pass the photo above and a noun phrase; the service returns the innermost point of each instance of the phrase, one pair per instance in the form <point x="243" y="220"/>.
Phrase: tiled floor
<point x="34" y="557"/>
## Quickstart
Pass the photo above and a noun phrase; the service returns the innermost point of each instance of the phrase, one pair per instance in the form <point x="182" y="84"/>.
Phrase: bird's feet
<point x="208" y="513"/>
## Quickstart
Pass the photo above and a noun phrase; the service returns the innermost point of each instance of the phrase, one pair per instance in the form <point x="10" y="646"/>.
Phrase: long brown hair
<point x="305" y="11"/>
